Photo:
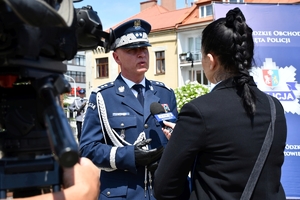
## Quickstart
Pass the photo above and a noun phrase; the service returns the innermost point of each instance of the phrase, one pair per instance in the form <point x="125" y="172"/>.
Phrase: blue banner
<point x="276" y="32"/>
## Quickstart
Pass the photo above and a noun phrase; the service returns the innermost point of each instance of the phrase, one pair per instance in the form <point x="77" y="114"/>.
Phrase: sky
<point x="111" y="12"/>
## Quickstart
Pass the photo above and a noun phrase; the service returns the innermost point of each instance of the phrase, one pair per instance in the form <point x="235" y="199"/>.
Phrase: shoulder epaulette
<point x="103" y="87"/>
<point x="158" y="83"/>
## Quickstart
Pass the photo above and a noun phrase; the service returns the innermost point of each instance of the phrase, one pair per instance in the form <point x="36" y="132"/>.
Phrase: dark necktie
<point x="139" y="89"/>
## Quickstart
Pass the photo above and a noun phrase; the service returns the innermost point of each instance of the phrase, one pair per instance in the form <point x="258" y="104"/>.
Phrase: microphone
<point x="160" y="114"/>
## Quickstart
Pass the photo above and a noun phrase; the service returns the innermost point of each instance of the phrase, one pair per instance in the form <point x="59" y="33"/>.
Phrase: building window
<point x="160" y="62"/>
<point x="206" y="11"/>
<point x="194" y="46"/>
<point x="102" y="68"/>
<point x="201" y="78"/>
<point x="79" y="77"/>
<point x="77" y="60"/>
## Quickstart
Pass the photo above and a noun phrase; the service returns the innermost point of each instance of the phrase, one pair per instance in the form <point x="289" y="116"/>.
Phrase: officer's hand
<point x="145" y="157"/>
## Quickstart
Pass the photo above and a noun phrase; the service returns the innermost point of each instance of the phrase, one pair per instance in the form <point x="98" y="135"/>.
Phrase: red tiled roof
<point x="163" y="19"/>
<point x="160" y="18"/>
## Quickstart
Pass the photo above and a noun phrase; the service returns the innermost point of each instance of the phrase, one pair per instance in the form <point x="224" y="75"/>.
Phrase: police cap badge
<point x="131" y="34"/>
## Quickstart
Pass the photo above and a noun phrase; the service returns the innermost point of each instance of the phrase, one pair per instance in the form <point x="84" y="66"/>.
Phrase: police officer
<point x="119" y="133"/>
<point x="78" y="105"/>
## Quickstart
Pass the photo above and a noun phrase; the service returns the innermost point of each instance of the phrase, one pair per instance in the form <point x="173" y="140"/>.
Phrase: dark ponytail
<point x="230" y="39"/>
<point x="244" y="46"/>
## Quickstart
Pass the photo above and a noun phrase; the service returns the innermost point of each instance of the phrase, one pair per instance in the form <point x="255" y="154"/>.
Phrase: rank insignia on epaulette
<point x="103" y="86"/>
<point x="159" y="83"/>
<point x="106" y="85"/>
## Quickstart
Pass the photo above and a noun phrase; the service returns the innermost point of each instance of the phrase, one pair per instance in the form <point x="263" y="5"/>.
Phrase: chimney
<point x="147" y="4"/>
<point x="169" y="4"/>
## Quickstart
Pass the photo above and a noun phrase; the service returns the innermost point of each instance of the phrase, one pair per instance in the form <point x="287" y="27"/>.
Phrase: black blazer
<point x="215" y="137"/>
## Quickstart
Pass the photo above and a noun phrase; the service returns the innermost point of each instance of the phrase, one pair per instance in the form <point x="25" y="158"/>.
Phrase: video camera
<point x="36" y="139"/>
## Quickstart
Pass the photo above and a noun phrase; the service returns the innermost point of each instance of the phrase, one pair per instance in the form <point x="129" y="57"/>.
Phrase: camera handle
<point x="59" y="131"/>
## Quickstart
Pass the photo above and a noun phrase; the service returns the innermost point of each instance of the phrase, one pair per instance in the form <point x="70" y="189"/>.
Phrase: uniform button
<point x="108" y="193"/>
<point x="122" y="124"/>
<point x="146" y="126"/>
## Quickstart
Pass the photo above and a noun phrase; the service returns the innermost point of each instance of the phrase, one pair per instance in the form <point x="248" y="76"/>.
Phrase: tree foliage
<point x="188" y="92"/>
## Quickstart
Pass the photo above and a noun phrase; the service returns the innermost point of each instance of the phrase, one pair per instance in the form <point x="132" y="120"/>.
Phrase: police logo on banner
<point x="279" y="82"/>
<point x="271" y="77"/>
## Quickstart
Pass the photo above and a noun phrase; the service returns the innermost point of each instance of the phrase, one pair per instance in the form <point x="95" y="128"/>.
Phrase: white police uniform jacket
<point x="120" y="178"/>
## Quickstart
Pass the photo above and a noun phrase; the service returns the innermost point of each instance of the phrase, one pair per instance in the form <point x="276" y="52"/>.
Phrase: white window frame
<point x="154" y="50"/>
<point x="194" y="47"/>
<point x="203" y="11"/>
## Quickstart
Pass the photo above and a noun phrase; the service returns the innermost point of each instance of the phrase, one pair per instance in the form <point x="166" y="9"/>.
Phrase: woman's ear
<point x="212" y="61"/>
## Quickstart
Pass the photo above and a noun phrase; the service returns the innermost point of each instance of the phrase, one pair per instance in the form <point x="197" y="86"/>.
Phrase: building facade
<point x="175" y="54"/>
<point x="76" y="73"/>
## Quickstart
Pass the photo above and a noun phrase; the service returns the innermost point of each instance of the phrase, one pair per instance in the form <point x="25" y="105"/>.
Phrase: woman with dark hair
<point x="224" y="130"/>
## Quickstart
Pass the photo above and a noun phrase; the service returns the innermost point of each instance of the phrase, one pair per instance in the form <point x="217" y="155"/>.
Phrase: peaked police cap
<point x="131" y="34"/>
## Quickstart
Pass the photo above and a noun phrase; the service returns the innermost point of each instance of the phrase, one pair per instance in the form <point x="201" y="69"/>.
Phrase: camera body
<point x="23" y="37"/>
<point x="35" y="136"/>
